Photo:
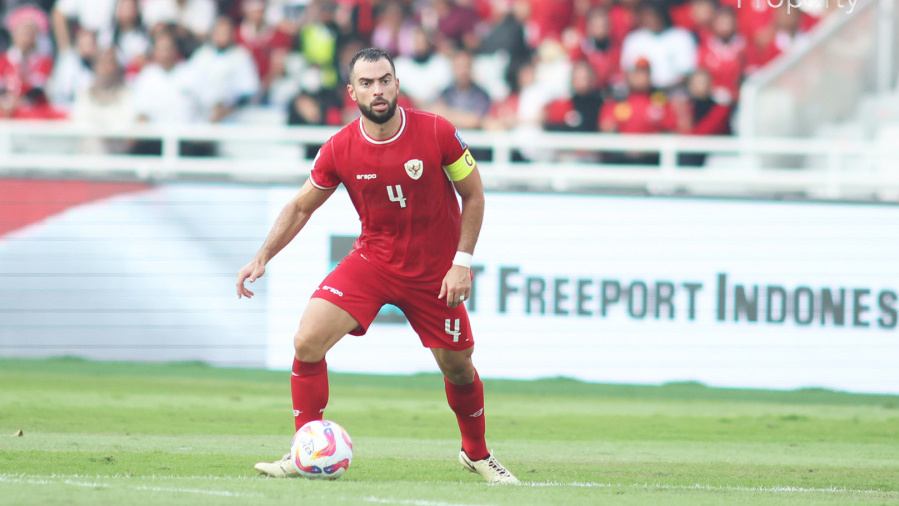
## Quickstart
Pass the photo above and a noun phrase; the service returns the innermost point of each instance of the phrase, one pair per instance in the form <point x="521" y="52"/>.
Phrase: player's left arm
<point x="456" y="286"/>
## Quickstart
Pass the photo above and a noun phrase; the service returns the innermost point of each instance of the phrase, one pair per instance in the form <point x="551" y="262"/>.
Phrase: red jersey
<point x="20" y="73"/>
<point x="639" y="113"/>
<point x="401" y="189"/>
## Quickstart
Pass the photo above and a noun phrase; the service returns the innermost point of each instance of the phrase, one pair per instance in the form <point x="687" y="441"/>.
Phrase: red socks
<point x="467" y="401"/>
<point x="309" y="389"/>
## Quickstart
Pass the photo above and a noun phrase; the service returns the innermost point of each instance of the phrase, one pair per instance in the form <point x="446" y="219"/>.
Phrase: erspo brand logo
<point x="332" y="290"/>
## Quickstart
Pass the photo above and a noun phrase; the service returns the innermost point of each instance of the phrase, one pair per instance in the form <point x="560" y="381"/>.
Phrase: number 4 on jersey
<point x="396" y="195"/>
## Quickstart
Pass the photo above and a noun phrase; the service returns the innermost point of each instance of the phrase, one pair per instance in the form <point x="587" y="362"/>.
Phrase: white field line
<point x="79" y="480"/>
<point x="411" y="502"/>
<point x="88" y="484"/>
<point x="715" y="488"/>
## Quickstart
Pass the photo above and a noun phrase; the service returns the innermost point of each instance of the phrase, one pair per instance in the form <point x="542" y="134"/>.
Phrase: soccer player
<point x="402" y="170"/>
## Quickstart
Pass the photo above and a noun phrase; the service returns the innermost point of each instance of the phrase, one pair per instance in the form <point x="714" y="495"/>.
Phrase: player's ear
<point x="351" y="92"/>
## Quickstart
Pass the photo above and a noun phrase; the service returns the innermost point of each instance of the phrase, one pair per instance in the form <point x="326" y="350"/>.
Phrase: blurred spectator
<point x="424" y="73"/>
<point x="309" y="109"/>
<point x="699" y="113"/>
<point x="454" y="20"/>
<point x="464" y="103"/>
<point x="128" y="37"/>
<point x="671" y="51"/>
<point x="509" y="113"/>
<point x="318" y="40"/>
<point x="24" y="71"/>
<point x="92" y="15"/>
<point x="694" y="16"/>
<point x="107" y="102"/>
<point x="641" y="112"/>
<point x="580" y="111"/>
<point x="267" y="44"/>
<point x="549" y="18"/>
<point x="394" y="31"/>
<point x="194" y="16"/>
<point x="553" y="67"/>
<point x="723" y="53"/>
<point x="506" y="36"/>
<point x="784" y="32"/>
<point x="623" y="19"/>
<point x="74" y="69"/>
<point x="225" y="76"/>
<point x="597" y="48"/>
<point x="163" y="90"/>
<point x="355" y="17"/>
<point x="13" y="11"/>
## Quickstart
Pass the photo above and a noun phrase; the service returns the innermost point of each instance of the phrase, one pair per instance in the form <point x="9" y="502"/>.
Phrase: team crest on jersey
<point x="415" y="168"/>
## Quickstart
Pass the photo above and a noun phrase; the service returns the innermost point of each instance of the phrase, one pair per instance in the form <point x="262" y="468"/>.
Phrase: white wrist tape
<point x="462" y="258"/>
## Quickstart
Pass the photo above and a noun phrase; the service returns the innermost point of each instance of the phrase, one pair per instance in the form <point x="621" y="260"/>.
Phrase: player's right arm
<point x="290" y="221"/>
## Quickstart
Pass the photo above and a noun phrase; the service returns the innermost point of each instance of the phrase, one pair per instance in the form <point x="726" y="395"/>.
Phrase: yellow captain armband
<point x="461" y="168"/>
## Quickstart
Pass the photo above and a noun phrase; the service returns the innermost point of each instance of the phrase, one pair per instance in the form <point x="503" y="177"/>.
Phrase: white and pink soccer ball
<point x="321" y="449"/>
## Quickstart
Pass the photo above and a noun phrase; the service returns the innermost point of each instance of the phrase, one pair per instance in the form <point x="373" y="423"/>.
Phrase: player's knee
<point x="459" y="374"/>
<point x="307" y="349"/>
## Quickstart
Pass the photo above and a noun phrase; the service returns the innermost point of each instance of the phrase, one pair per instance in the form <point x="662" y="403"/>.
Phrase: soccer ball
<point x="321" y="449"/>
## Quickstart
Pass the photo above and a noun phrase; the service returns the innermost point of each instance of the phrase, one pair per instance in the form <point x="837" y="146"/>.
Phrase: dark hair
<point x="371" y="54"/>
<point x="658" y="9"/>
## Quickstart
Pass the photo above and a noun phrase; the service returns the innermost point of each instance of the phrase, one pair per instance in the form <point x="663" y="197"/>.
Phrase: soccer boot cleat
<point x="282" y="468"/>
<point x="489" y="468"/>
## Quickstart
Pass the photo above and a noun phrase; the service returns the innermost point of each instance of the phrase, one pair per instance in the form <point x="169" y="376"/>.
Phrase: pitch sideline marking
<point x="411" y="502"/>
<point x="145" y="488"/>
<point x="713" y="488"/>
<point x="71" y="480"/>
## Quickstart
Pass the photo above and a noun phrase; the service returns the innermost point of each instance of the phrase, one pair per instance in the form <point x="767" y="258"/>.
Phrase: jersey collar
<point x="395" y="136"/>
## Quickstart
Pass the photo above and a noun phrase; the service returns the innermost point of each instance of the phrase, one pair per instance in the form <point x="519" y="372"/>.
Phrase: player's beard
<point x="379" y="117"/>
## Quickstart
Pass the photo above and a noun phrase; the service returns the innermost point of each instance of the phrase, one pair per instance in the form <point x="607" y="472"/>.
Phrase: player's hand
<point x="456" y="286"/>
<point x="250" y="272"/>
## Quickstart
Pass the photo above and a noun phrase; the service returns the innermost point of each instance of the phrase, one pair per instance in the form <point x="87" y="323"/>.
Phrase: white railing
<point x="810" y="167"/>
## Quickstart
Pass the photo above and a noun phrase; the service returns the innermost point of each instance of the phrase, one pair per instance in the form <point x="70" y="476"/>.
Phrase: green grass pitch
<point x="117" y="433"/>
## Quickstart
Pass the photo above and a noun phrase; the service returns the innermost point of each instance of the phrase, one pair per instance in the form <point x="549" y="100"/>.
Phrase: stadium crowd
<point x="629" y="66"/>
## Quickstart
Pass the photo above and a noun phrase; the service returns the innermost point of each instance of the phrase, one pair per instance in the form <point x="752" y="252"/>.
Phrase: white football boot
<point x="490" y="469"/>
<point x="282" y="468"/>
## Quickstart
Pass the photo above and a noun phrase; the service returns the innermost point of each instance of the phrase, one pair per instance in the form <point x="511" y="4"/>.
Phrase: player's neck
<point x="383" y="131"/>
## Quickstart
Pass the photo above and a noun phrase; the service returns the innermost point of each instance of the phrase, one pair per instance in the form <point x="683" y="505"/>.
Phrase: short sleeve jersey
<point x="401" y="188"/>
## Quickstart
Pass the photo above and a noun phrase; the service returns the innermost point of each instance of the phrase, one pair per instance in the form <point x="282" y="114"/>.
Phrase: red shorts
<point x="360" y="289"/>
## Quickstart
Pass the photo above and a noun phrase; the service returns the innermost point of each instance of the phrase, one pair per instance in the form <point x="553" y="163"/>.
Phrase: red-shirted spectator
<point x="623" y="19"/>
<point x="580" y="111"/>
<point x="597" y="48"/>
<point x="695" y="16"/>
<point x="700" y="113"/>
<point x="549" y="18"/>
<point x="723" y="53"/>
<point x="267" y="44"/>
<point x="642" y="112"/>
<point x="24" y="73"/>
<point x="752" y="15"/>
<point x="784" y="32"/>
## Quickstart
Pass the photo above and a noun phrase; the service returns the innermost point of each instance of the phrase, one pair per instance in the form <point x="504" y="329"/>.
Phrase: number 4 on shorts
<point x="396" y="195"/>
<point x="453" y="328"/>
